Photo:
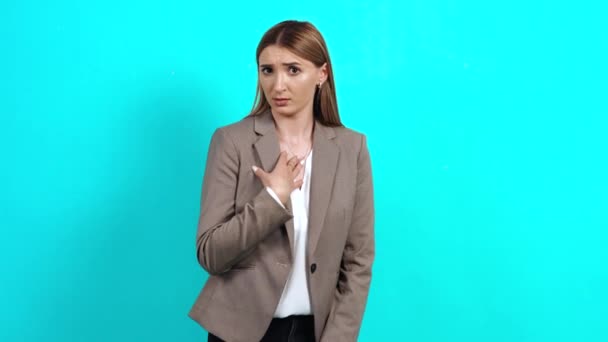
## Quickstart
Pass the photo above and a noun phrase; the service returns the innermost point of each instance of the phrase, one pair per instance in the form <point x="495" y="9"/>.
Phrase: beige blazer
<point x="245" y="238"/>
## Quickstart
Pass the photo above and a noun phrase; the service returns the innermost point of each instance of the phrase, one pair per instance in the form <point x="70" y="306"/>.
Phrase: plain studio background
<point x="486" y="124"/>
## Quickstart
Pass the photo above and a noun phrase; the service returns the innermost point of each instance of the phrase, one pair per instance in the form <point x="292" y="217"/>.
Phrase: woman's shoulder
<point x="349" y="141"/>
<point x="237" y="132"/>
<point x="348" y="133"/>
<point x="239" y="127"/>
<point x="349" y="137"/>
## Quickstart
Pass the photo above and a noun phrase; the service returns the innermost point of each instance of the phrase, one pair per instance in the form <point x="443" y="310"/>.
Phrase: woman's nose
<point x="279" y="82"/>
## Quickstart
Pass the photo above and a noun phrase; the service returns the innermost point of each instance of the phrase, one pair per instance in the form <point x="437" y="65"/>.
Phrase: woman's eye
<point x="293" y="70"/>
<point x="266" y="70"/>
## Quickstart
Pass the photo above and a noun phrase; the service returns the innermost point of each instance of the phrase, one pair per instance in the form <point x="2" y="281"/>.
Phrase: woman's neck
<point x="294" y="129"/>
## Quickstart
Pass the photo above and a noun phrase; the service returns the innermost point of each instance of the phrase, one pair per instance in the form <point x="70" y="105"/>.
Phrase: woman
<point x="281" y="270"/>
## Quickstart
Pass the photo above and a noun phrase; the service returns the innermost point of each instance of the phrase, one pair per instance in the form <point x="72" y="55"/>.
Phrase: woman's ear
<point x="323" y="73"/>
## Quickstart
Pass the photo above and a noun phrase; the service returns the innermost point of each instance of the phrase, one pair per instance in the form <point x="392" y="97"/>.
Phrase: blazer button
<point x="313" y="268"/>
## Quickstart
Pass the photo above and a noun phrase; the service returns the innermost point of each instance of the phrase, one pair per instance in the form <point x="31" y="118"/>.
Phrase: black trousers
<point x="295" y="328"/>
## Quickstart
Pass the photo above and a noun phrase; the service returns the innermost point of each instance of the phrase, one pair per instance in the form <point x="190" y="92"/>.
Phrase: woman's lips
<point x="281" y="101"/>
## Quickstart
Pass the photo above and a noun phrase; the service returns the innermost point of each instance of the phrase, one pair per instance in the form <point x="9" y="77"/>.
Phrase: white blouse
<point x="295" y="299"/>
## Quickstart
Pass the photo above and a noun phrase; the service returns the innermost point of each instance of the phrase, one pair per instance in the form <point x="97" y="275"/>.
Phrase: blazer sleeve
<point x="350" y="298"/>
<point x="224" y="237"/>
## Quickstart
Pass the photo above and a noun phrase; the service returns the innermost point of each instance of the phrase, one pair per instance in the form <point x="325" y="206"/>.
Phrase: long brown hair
<point x="304" y="40"/>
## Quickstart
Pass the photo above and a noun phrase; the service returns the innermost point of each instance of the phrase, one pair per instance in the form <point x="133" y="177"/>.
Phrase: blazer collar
<point x="324" y="162"/>
<point x="264" y="123"/>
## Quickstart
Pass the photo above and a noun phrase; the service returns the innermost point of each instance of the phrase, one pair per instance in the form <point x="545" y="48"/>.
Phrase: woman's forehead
<point x="279" y="55"/>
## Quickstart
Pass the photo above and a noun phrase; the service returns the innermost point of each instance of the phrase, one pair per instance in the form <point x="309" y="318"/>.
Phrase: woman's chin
<point x="283" y="110"/>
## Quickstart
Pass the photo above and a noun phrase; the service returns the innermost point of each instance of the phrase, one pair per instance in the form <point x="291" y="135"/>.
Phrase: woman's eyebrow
<point x="286" y="64"/>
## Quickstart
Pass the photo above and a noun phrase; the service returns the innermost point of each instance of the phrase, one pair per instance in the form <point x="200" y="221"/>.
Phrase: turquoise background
<point x="486" y="123"/>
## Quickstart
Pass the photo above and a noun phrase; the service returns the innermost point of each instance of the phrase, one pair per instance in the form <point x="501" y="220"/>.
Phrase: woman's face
<point x="288" y="81"/>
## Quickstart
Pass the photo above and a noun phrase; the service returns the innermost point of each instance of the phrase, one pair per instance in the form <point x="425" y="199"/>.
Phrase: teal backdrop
<point x="486" y="124"/>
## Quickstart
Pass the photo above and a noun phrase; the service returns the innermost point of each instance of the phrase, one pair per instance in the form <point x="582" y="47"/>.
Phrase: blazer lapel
<point x="324" y="163"/>
<point x="267" y="147"/>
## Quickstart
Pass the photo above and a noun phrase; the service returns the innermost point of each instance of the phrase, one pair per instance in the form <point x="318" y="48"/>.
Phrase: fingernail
<point x="255" y="168"/>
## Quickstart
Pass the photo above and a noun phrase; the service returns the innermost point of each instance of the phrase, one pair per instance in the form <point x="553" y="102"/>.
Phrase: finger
<point x="283" y="156"/>
<point x="298" y="179"/>
<point x="259" y="172"/>
<point x="298" y="168"/>
<point x="298" y="183"/>
<point x="293" y="162"/>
